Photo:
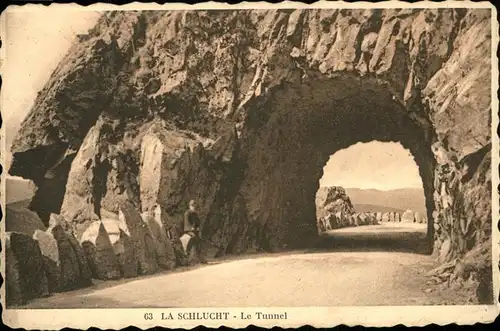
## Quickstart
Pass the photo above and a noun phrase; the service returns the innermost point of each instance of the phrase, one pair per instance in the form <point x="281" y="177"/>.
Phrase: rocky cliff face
<point x="332" y="199"/>
<point x="251" y="104"/>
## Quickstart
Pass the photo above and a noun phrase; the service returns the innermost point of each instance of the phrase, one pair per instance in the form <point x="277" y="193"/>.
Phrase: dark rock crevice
<point x="51" y="189"/>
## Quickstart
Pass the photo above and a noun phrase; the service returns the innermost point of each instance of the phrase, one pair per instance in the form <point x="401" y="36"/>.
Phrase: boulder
<point x="408" y="216"/>
<point x="339" y="219"/>
<point x="121" y="180"/>
<point x="332" y="199"/>
<point x="163" y="246"/>
<point x="33" y="282"/>
<point x="352" y="220"/>
<point x="364" y="219"/>
<point x="356" y="219"/>
<point x="140" y="239"/>
<point x="85" y="275"/>
<point x="74" y="270"/>
<point x="99" y="252"/>
<point x="13" y="283"/>
<point x="112" y="227"/>
<point x="170" y="233"/>
<point x="346" y="221"/>
<point x="50" y="252"/>
<point x="119" y="236"/>
<point x="418" y="217"/>
<point x="371" y="219"/>
<point x="165" y="158"/>
<point x="100" y="177"/>
<point x="368" y="220"/>
<point x="129" y="263"/>
<point x="79" y="201"/>
<point x="175" y="167"/>
<point x="18" y="218"/>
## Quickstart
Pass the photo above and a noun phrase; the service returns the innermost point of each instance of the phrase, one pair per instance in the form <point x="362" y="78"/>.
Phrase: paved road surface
<point x="361" y="270"/>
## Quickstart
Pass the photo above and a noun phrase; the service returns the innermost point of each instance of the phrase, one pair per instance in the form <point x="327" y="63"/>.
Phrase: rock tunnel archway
<point x="278" y="91"/>
<point x="299" y="127"/>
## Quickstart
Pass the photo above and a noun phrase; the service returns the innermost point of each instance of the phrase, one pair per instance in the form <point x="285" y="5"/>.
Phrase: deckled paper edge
<point x="314" y="316"/>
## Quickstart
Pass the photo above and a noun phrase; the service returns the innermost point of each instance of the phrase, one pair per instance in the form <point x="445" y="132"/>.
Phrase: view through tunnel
<point x="371" y="197"/>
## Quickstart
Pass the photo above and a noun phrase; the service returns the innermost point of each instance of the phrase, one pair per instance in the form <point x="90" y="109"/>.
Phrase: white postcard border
<point x="296" y="317"/>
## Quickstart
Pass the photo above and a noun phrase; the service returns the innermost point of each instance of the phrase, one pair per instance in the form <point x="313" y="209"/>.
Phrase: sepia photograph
<point x="206" y="164"/>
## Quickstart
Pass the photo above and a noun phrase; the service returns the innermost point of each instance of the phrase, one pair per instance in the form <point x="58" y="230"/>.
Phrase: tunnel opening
<point x="292" y="135"/>
<point x="371" y="196"/>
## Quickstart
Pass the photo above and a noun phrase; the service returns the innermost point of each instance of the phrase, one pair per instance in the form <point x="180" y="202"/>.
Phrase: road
<point x="369" y="265"/>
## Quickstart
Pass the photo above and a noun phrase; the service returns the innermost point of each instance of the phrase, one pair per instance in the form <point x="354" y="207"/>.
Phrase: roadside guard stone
<point x="352" y="220"/>
<point x="69" y="264"/>
<point x="99" y="252"/>
<point x="75" y="271"/>
<point x="119" y="237"/>
<point x="13" y="288"/>
<point x="358" y="219"/>
<point x="163" y="247"/>
<point x="27" y="268"/>
<point x="408" y="217"/>
<point x="50" y="254"/>
<point x="140" y="239"/>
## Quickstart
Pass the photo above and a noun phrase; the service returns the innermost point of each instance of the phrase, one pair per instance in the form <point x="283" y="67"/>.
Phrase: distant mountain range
<point x="363" y="200"/>
<point x="385" y="201"/>
<point x="363" y="207"/>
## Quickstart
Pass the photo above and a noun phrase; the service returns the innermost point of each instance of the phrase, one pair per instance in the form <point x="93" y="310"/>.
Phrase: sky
<point x="373" y="165"/>
<point x="34" y="48"/>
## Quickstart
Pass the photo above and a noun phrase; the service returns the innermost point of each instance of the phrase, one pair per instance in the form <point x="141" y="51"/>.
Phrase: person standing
<point x="192" y="224"/>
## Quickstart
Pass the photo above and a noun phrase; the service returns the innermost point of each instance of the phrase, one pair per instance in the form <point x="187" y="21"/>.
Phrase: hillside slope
<point x="400" y="199"/>
<point x="364" y="208"/>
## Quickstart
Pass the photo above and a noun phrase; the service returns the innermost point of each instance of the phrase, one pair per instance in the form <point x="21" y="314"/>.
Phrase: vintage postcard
<point x="254" y="164"/>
